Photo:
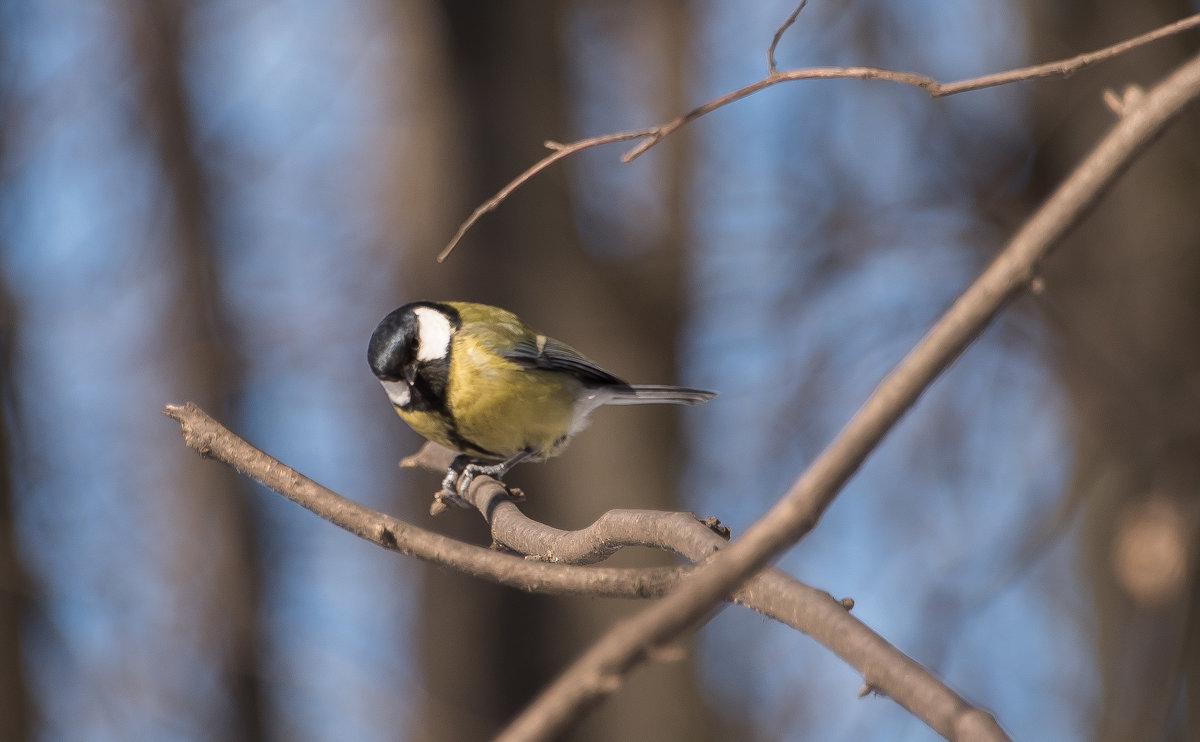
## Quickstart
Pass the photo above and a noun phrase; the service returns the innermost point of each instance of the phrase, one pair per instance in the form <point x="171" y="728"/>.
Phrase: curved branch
<point x="935" y="89"/>
<point x="885" y="669"/>
<point x="213" y="440"/>
<point x="772" y="593"/>
<point x="559" y="151"/>
<point x="655" y="134"/>
<point x="797" y="511"/>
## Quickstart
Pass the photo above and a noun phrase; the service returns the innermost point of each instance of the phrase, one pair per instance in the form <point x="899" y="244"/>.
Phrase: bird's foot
<point x="457" y="482"/>
<point x="470" y="471"/>
<point x="449" y="493"/>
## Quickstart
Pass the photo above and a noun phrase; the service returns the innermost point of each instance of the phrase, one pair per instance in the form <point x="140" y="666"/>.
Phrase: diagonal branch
<point x="773" y="593"/>
<point x="558" y="152"/>
<point x="797" y="512"/>
<point x="884" y="668"/>
<point x="653" y="135"/>
<point x="772" y="68"/>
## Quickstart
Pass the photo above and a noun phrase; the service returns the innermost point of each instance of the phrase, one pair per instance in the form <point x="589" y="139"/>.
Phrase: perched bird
<point x="476" y="380"/>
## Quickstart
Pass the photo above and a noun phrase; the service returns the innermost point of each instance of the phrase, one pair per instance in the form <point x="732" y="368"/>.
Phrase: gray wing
<point x="551" y="355"/>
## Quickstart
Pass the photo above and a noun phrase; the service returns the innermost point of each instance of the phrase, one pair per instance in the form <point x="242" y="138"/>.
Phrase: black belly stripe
<point x="460" y="442"/>
<point x="464" y="444"/>
<point x="428" y="394"/>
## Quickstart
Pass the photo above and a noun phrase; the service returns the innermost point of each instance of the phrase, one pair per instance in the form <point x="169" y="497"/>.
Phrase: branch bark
<point x="885" y="669"/>
<point x="799" y="509"/>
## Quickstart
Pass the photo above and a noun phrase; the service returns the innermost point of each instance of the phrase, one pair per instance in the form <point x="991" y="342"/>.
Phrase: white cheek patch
<point x="398" y="392"/>
<point x="433" y="334"/>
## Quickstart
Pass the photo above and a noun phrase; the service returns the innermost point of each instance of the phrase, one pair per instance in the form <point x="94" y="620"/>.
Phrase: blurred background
<point x="216" y="201"/>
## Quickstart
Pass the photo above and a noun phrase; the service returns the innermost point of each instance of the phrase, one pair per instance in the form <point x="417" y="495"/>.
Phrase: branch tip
<point x="558" y="152"/>
<point x="1124" y="102"/>
<point x="714" y="524"/>
<point x="772" y="69"/>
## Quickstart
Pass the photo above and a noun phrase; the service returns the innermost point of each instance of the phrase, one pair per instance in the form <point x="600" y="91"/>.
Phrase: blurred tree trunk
<point x="15" y="711"/>
<point x="497" y="94"/>
<point x="215" y="515"/>
<point x="1123" y="297"/>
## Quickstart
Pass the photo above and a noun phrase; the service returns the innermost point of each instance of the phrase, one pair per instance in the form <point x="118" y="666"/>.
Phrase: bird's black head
<point x="410" y="353"/>
<point x="394" y="344"/>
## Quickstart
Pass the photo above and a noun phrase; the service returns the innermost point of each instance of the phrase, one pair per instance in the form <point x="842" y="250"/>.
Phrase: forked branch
<point x="651" y="136"/>
<point x="213" y="440"/>
<point x="798" y="510"/>
<point x="772" y="593"/>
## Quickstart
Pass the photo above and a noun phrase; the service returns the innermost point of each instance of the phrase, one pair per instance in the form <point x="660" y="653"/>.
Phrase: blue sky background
<point x="828" y="223"/>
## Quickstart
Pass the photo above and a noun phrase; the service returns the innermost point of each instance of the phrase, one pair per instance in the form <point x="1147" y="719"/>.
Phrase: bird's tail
<point x="654" y="394"/>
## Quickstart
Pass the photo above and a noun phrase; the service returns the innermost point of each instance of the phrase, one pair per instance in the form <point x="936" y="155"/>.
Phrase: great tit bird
<point x="476" y="380"/>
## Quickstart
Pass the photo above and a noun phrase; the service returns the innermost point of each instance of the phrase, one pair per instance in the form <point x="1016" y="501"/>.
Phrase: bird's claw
<point x="462" y="472"/>
<point x="449" y="494"/>
<point x="457" y="483"/>
<point x="470" y="471"/>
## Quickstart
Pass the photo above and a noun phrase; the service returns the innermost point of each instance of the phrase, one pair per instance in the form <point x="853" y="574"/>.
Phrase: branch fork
<point x="565" y="562"/>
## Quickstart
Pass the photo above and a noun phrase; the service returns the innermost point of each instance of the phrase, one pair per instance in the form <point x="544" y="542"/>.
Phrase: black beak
<point x="410" y="373"/>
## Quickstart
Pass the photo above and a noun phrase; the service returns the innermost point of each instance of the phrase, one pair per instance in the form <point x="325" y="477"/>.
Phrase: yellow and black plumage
<point x="475" y="379"/>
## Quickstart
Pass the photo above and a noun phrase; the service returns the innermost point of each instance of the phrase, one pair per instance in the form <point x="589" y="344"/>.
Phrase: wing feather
<point x="551" y="355"/>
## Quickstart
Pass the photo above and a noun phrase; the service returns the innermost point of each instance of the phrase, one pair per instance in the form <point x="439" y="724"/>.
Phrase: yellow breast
<point x="503" y="408"/>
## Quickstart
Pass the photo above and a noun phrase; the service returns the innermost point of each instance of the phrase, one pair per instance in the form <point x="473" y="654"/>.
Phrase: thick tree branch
<point x="653" y="135"/>
<point x="797" y="512"/>
<point x="213" y="440"/>
<point x="772" y="593"/>
<point x="885" y="669"/>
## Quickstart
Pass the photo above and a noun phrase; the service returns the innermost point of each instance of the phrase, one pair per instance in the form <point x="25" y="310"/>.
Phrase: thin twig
<point x="559" y="151"/>
<point x="654" y="134"/>
<point x="1070" y="66"/>
<point x="625" y="645"/>
<point x="779" y="32"/>
<point x="935" y="89"/>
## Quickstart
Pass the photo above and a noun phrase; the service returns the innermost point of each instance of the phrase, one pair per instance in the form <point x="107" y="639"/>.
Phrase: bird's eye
<point x="414" y="342"/>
